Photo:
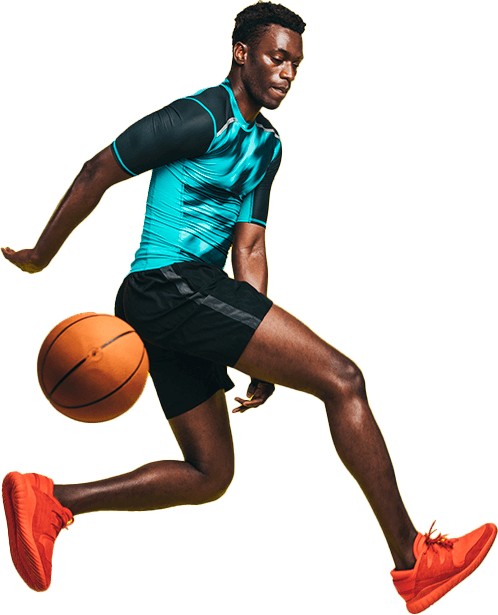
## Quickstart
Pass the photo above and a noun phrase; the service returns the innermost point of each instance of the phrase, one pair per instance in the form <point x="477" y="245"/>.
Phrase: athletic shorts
<point x="194" y="321"/>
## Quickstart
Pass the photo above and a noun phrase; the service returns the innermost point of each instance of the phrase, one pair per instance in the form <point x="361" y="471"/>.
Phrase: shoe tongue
<point x="43" y="483"/>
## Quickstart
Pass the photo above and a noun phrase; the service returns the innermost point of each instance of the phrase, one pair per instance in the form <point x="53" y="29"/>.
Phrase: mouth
<point x="281" y="90"/>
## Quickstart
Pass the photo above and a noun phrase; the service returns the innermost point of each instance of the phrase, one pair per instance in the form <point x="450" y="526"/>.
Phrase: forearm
<point x="79" y="201"/>
<point x="251" y="266"/>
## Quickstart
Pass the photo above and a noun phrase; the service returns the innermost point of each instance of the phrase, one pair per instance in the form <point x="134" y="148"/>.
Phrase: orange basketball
<point x="92" y="367"/>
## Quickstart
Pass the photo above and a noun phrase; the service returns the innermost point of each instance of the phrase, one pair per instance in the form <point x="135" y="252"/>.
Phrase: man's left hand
<point x="258" y="392"/>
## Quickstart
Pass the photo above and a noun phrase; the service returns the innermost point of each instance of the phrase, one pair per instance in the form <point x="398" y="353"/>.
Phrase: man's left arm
<point x="250" y="265"/>
<point x="249" y="261"/>
<point x="248" y="244"/>
<point x="249" y="255"/>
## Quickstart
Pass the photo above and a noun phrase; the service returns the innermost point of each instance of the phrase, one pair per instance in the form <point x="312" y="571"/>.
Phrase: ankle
<point x="405" y="559"/>
<point x="404" y="563"/>
<point x="62" y="495"/>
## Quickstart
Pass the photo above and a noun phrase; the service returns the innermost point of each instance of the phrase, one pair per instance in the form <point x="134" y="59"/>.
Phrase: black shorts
<point x="194" y="321"/>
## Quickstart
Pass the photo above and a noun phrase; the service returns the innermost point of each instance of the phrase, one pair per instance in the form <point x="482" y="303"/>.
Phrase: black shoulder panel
<point x="218" y="102"/>
<point x="183" y="129"/>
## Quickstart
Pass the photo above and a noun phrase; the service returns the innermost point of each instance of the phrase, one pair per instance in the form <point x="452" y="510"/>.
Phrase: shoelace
<point x="62" y="524"/>
<point x="441" y="540"/>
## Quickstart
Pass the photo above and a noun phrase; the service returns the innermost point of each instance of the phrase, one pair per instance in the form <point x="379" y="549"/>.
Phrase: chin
<point x="271" y="104"/>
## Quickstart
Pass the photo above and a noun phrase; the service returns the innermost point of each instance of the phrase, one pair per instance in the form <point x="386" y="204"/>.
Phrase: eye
<point x="277" y="60"/>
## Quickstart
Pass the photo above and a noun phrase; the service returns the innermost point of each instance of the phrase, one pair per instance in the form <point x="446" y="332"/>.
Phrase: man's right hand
<point x="24" y="259"/>
<point x="96" y="176"/>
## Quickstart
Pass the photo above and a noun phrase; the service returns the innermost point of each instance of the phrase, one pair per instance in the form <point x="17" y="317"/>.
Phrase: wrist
<point x="38" y="259"/>
<point x="257" y="380"/>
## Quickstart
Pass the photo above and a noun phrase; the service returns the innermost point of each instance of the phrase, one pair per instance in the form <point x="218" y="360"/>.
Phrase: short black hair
<point x="256" y="18"/>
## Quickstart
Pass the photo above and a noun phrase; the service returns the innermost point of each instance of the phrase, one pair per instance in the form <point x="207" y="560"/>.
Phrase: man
<point x="214" y="157"/>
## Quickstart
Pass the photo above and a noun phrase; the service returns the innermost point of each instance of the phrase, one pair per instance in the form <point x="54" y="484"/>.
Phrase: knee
<point x="347" y="381"/>
<point x="351" y="382"/>
<point x="218" y="486"/>
<point x="214" y="485"/>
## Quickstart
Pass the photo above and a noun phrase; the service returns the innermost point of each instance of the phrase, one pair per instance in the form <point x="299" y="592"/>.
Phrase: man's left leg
<point x="284" y="351"/>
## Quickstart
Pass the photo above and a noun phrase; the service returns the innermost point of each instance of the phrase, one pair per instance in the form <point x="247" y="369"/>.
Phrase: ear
<point x="240" y="53"/>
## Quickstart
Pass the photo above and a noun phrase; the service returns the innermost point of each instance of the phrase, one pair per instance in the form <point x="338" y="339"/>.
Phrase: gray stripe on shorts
<point x="230" y="311"/>
<point x="209" y="301"/>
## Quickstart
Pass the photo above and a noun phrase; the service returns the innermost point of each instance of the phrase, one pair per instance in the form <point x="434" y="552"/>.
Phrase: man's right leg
<point x="205" y="439"/>
<point x="36" y="511"/>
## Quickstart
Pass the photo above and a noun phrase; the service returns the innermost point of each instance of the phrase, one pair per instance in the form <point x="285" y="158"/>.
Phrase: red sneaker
<point x="441" y="564"/>
<point x="34" y="520"/>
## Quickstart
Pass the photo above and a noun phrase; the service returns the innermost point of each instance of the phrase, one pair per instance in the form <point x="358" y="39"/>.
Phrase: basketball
<point x="92" y="367"/>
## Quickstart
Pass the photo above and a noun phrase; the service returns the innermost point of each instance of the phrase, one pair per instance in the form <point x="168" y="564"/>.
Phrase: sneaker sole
<point x="417" y="606"/>
<point x="20" y="503"/>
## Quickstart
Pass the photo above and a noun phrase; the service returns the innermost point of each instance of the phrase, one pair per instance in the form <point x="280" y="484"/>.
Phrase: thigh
<point x="285" y="351"/>
<point x="205" y="437"/>
<point x="182" y="381"/>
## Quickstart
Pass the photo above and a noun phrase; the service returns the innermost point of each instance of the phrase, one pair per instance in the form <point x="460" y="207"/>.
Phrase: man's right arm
<point x="96" y="176"/>
<point x="183" y="129"/>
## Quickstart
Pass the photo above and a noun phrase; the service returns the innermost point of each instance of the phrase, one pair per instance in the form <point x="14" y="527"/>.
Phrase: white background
<point x="381" y="237"/>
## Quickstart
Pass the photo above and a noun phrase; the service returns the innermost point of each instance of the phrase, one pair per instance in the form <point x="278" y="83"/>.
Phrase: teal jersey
<point x="210" y="170"/>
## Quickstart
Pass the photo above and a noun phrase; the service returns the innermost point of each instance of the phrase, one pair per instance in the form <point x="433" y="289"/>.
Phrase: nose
<point x="288" y="71"/>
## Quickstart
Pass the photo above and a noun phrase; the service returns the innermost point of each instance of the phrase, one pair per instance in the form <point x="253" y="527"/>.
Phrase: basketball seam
<point x="44" y="360"/>
<point x="80" y="363"/>
<point x="96" y="401"/>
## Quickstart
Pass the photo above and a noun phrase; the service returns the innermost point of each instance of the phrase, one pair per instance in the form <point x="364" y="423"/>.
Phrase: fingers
<point x="245" y="404"/>
<point x="10" y="255"/>
<point x="23" y="259"/>
<point x="258" y="393"/>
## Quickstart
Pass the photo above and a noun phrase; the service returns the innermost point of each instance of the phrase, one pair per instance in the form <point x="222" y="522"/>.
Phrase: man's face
<point x="271" y="64"/>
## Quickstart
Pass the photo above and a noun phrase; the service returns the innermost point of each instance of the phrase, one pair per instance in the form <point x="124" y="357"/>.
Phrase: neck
<point x="247" y="105"/>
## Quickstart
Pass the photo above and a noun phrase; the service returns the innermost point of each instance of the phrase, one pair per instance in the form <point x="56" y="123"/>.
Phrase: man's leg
<point x="36" y="511"/>
<point x="286" y="352"/>
<point x="205" y="439"/>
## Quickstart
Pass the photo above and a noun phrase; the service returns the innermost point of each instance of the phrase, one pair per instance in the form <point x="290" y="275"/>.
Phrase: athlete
<point x="213" y="158"/>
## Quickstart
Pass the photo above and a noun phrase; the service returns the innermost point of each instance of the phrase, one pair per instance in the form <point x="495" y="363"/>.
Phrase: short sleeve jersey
<point x="211" y="169"/>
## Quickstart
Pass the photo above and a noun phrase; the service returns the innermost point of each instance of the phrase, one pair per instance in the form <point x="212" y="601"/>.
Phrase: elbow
<point x="87" y="183"/>
<point x="256" y="250"/>
<point x="251" y="266"/>
<point x="247" y="257"/>
<point x="91" y="169"/>
<point x="98" y="174"/>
